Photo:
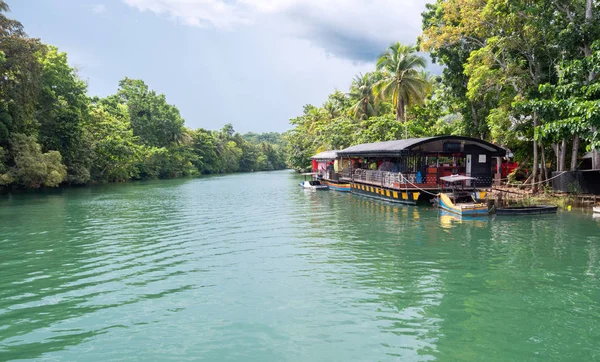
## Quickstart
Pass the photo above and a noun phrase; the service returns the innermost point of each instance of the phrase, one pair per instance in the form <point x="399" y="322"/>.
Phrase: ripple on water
<point x="250" y="267"/>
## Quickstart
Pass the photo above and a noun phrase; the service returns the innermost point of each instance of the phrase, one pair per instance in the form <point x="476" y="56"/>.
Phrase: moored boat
<point x="325" y="166"/>
<point x="448" y="219"/>
<point x="527" y="210"/>
<point x="313" y="185"/>
<point x="461" y="203"/>
<point x="596" y="209"/>
<point x="338" y="186"/>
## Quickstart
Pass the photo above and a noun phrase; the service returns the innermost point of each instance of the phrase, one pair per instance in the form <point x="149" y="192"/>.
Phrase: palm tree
<point x="403" y="80"/>
<point x="331" y="109"/>
<point x="361" y="93"/>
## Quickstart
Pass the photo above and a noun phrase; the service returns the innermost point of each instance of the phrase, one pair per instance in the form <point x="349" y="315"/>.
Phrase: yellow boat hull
<point x="471" y="209"/>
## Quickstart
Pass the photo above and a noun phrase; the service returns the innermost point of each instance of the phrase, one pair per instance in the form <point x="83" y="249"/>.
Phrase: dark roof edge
<point x="499" y="151"/>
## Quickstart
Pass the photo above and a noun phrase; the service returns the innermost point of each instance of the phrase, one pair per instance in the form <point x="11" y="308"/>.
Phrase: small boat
<point x="338" y="186"/>
<point x="448" y="219"/>
<point x="313" y="185"/>
<point x="596" y="209"/>
<point x="462" y="203"/>
<point x="527" y="210"/>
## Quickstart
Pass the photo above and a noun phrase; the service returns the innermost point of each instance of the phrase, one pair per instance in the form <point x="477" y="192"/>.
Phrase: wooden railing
<point x="399" y="180"/>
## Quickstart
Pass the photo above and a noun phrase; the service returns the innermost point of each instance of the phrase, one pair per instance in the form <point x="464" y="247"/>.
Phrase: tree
<point x="383" y="128"/>
<point x="402" y="80"/>
<point x="572" y="106"/>
<point x="506" y="49"/>
<point x="453" y="54"/>
<point x="207" y="160"/>
<point x="48" y="125"/>
<point x="438" y="115"/>
<point x="61" y="113"/>
<point x="34" y="169"/>
<point x="153" y="120"/>
<point x="115" y="150"/>
<point x="362" y="96"/>
<point x="20" y="73"/>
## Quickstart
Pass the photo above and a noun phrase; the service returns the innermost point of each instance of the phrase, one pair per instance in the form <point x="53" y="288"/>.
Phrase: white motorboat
<point x="313" y="185"/>
<point x="596" y="209"/>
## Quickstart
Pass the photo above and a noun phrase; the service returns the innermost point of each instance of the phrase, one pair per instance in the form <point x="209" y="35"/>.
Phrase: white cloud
<point x="355" y="29"/>
<point x="203" y="13"/>
<point x="99" y="9"/>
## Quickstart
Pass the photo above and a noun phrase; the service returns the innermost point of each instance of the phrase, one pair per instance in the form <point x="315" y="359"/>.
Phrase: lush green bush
<point x="34" y="169"/>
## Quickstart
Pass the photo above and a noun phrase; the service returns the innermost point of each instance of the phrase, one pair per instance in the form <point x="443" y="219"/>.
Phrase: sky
<point x="251" y="63"/>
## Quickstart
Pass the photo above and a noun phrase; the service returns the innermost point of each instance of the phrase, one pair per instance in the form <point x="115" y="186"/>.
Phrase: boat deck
<point x="404" y="186"/>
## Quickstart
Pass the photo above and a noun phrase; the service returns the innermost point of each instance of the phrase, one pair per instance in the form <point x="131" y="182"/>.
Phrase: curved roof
<point x="425" y="144"/>
<point x="325" y="155"/>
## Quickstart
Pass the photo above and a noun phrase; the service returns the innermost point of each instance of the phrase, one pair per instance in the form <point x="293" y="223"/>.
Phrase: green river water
<point x="250" y="267"/>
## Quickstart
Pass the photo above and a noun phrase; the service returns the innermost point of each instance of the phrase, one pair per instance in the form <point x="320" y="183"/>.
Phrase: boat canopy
<point x="438" y="144"/>
<point x="456" y="178"/>
<point x="325" y="156"/>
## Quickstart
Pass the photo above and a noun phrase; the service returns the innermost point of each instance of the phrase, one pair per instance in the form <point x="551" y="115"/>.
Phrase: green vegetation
<point x="397" y="100"/>
<point x="53" y="133"/>
<point x="522" y="74"/>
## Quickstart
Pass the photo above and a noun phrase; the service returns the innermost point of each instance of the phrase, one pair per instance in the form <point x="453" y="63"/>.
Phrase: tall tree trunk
<point x="587" y="50"/>
<point x="544" y="171"/>
<point x="560" y="150"/>
<point x="563" y="155"/>
<point x="474" y="114"/>
<point x="574" y="152"/>
<point x="595" y="156"/>
<point x="534" y="170"/>
<point x="587" y="47"/>
<point x="556" y="149"/>
<point x="400" y="110"/>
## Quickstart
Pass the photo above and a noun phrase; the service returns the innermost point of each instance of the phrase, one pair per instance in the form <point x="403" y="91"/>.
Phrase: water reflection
<point x="250" y="267"/>
<point x="449" y="220"/>
<point x="441" y="286"/>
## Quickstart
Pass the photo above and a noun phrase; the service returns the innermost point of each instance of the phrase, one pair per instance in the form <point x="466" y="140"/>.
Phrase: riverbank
<point x="520" y="195"/>
<point x="12" y="189"/>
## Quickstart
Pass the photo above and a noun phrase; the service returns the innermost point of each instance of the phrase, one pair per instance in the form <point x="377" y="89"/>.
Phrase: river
<point x="249" y="267"/>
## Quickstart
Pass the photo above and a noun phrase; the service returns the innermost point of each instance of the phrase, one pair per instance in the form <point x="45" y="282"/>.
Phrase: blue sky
<point x="252" y="63"/>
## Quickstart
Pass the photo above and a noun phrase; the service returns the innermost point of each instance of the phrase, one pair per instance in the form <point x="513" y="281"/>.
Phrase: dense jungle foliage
<point x="53" y="133"/>
<point x="523" y="74"/>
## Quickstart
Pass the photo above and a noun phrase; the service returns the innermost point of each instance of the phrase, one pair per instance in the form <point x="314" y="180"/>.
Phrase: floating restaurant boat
<point x="410" y="170"/>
